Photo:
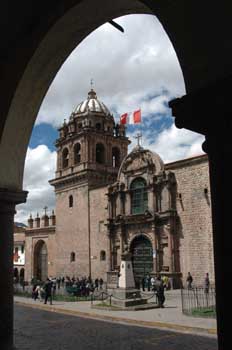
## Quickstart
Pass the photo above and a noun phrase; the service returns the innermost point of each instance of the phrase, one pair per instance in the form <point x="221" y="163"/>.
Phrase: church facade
<point x="108" y="200"/>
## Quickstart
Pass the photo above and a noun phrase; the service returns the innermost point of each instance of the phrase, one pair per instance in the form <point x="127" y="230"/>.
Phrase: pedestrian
<point x="143" y="283"/>
<point x="189" y="280"/>
<point x="58" y="282"/>
<point x="160" y="291"/>
<point x="100" y="283"/>
<point x="35" y="292"/>
<point x="96" y="282"/>
<point x="38" y="290"/>
<point x="48" y="291"/>
<point x="206" y="283"/>
<point x="165" y="280"/>
<point x="153" y="283"/>
<point x="148" y="282"/>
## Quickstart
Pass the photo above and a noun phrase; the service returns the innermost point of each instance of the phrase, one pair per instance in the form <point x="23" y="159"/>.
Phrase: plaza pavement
<point x="169" y="318"/>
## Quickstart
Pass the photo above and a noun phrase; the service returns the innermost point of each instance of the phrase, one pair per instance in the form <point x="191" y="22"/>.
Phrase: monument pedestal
<point x="127" y="297"/>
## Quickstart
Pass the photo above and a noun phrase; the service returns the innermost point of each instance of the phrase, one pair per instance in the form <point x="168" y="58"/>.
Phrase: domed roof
<point x="139" y="159"/>
<point x="92" y="104"/>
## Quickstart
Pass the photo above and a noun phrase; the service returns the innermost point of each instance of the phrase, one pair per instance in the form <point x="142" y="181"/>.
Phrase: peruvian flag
<point x="131" y="118"/>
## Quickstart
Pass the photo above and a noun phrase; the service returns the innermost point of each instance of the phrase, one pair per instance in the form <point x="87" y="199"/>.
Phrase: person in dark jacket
<point x="189" y="281"/>
<point x="160" y="291"/>
<point x="48" y="291"/>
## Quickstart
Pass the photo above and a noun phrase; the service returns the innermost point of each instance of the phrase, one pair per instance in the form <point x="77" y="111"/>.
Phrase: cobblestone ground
<point x="43" y="330"/>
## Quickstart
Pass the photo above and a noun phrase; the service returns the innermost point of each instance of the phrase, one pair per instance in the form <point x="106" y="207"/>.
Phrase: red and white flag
<point x="131" y="118"/>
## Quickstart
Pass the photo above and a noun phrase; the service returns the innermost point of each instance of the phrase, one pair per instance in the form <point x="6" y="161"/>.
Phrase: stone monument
<point x="126" y="295"/>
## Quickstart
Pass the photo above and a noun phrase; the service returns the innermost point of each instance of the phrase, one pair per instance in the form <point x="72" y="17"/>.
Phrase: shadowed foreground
<point x="36" y="329"/>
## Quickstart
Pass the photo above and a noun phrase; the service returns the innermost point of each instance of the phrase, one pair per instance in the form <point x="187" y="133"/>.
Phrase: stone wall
<point x="99" y="239"/>
<point x="72" y="232"/>
<point x="195" y="223"/>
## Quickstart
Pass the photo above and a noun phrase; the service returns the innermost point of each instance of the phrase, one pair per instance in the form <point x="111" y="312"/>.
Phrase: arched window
<point x="70" y="200"/>
<point x="72" y="257"/>
<point x="100" y="153"/>
<point x="98" y="126"/>
<point x="102" y="255"/>
<point x="77" y="153"/>
<point x="139" y="198"/>
<point x="115" y="157"/>
<point x="65" y="158"/>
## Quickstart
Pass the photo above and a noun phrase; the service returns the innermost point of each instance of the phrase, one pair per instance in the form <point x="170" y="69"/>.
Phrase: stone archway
<point x="142" y="257"/>
<point x="40" y="261"/>
<point x="29" y="62"/>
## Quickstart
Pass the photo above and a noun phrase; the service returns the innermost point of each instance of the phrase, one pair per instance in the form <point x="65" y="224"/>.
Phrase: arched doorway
<point x="142" y="257"/>
<point x="16" y="275"/>
<point x="41" y="261"/>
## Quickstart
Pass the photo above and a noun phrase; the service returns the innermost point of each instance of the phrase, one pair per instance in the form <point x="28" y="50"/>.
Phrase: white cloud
<point x="126" y="67"/>
<point x="39" y="168"/>
<point x="174" y="144"/>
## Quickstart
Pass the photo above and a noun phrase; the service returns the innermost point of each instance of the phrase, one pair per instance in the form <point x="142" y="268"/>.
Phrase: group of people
<point x="83" y="286"/>
<point x="149" y="283"/>
<point x="46" y="291"/>
<point x="206" y="284"/>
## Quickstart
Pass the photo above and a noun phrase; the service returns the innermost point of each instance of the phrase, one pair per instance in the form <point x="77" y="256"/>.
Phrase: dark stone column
<point x="8" y="200"/>
<point x="209" y="112"/>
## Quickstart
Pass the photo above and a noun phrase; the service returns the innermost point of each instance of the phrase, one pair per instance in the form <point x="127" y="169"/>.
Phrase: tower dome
<point x="92" y="104"/>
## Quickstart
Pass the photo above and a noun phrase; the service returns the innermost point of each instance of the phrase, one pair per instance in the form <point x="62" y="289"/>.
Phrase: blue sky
<point x="44" y="134"/>
<point x="135" y="69"/>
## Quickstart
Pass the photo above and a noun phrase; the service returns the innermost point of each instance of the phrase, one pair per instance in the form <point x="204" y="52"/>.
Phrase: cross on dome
<point x="138" y="137"/>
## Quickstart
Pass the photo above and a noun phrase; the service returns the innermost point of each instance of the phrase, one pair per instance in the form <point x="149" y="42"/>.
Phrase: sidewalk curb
<point x="152" y="324"/>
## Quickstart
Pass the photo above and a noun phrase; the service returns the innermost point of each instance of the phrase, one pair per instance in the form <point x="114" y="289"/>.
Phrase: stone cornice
<point x="40" y="230"/>
<point x="12" y="197"/>
<point x="89" y="132"/>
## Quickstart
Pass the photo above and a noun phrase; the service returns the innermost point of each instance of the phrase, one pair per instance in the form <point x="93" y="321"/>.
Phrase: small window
<point x="22" y="249"/>
<point x="102" y="255"/>
<point x="98" y="126"/>
<point x="72" y="257"/>
<point x="70" y="201"/>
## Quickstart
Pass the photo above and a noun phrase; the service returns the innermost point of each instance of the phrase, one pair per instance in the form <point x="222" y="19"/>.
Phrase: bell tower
<point x="90" y="150"/>
<point x="90" y="146"/>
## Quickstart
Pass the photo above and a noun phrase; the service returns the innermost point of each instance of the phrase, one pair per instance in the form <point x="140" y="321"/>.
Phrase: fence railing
<point x="107" y="298"/>
<point x="199" y="301"/>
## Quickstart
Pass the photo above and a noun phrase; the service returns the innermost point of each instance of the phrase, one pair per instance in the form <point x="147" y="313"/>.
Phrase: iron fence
<point x="199" y="301"/>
